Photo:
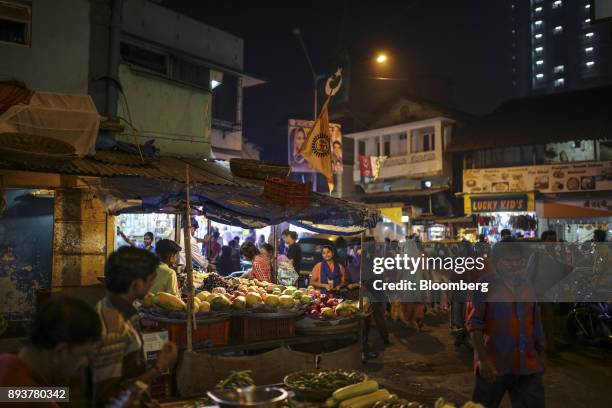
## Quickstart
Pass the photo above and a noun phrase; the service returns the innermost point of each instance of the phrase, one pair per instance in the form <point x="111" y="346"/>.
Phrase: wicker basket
<point x="257" y="169"/>
<point x="287" y="193"/>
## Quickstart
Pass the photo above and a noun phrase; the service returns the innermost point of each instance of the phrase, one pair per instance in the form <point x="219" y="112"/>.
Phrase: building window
<point x="145" y="58"/>
<point x="422" y="140"/>
<point x="559" y="82"/>
<point x="15" y="23"/>
<point x="559" y="69"/>
<point x="558" y="29"/>
<point x="557" y="4"/>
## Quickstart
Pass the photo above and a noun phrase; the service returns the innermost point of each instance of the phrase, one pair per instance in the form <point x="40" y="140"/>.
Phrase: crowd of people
<point x="509" y="337"/>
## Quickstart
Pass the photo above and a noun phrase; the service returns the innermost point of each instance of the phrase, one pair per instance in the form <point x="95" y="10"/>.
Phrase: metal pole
<point x="274" y="260"/>
<point x="362" y="323"/>
<point x="361" y="272"/>
<point x="209" y="247"/>
<point x="315" y="101"/>
<point x="188" y="261"/>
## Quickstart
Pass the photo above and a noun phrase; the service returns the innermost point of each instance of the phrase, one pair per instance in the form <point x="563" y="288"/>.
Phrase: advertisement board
<point x="298" y="131"/>
<point x="552" y="178"/>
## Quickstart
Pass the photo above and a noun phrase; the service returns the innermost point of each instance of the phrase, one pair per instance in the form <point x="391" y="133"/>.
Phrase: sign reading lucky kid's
<point x="499" y="203"/>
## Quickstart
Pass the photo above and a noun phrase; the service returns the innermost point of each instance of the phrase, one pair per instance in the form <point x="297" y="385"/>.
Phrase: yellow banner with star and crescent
<point x="317" y="147"/>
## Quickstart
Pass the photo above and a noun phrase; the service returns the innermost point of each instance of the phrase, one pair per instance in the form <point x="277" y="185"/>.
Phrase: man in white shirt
<point x="196" y="255"/>
<point x="227" y="236"/>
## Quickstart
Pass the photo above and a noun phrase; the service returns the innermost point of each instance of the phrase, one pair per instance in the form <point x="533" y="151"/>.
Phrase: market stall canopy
<point x="46" y="123"/>
<point x="558" y="117"/>
<point x="234" y="204"/>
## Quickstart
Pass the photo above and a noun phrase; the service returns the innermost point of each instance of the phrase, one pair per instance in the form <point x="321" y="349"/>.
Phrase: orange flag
<point x="317" y="148"/>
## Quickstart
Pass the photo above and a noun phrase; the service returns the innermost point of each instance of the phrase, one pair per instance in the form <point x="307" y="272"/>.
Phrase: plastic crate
<point x="247" y="329"/>
<point x="287" y="193"/>
<point x="216" y="333"/>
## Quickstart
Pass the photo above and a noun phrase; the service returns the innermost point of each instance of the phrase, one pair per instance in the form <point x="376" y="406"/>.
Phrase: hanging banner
<point x="551" y="178"/>
<point x="298" y="130"/>
<point x="365" y="166"/>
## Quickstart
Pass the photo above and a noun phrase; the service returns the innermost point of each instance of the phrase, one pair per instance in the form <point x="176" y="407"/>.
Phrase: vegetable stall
<point x="225" y="325"/>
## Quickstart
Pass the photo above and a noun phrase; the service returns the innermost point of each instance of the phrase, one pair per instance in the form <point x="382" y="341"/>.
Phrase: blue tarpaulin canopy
<point x="233" y="204"/>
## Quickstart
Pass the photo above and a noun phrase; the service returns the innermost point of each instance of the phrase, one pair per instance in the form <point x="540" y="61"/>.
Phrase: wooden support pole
<point x="188" y="262"/>
<point x="275" y="257"/>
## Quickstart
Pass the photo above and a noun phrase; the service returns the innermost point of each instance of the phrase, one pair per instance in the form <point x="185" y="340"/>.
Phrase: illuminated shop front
<point x="496" y="212"/>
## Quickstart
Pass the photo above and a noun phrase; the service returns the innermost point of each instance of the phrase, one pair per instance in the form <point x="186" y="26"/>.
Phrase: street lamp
<point x="381" y="58"/>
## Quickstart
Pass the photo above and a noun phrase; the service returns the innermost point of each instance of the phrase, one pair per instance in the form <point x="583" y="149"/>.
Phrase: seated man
<point x="165" y="278"/>
<point x="120" y="362"/>
<point x="328" y="274"/>
<point x="64" y="333"/>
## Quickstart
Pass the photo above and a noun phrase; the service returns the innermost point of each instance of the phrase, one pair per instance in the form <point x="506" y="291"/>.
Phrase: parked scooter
<point x="590" y="322"/>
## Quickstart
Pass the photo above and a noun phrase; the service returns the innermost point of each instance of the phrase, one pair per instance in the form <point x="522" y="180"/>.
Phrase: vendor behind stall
<point x="261" y="266"/>
<point x="294" y="252"/>
<point x="165" y="278"/>
<point x="198" y="260"/>
<point x="328" y="274"/>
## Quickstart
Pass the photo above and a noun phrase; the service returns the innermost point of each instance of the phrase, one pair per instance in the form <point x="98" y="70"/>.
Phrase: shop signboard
<point x="298" y="131"/>
<point x="553" y="178"/>
<point x="474" y="204"/>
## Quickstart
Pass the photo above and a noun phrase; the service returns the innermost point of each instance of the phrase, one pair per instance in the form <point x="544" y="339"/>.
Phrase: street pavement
<point x="427" y="365"/>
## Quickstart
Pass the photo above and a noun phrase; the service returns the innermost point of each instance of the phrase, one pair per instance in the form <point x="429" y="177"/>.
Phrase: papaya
<point x="169" y="302"/>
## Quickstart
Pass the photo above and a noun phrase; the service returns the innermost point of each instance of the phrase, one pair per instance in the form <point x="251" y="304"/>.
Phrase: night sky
<point x="456" y="53"/>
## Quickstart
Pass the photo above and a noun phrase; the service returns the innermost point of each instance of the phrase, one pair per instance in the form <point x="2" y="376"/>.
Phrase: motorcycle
<point x="590" y="322"/>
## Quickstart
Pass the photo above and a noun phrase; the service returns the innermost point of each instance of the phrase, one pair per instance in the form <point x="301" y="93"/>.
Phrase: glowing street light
<point x="381" y="58"/>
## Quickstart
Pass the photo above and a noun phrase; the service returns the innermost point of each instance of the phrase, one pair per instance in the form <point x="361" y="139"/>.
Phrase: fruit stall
<point x="225" y="325"/>
<point x="243" y="324"/>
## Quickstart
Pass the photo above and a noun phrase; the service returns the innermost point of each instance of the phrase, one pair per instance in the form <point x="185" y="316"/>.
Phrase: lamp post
<point x="315" y="77"/>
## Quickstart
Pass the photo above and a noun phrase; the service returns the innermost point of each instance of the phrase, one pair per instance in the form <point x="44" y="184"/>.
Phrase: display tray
<point x="159" y="315"/>
<point x="281" y="314"/>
